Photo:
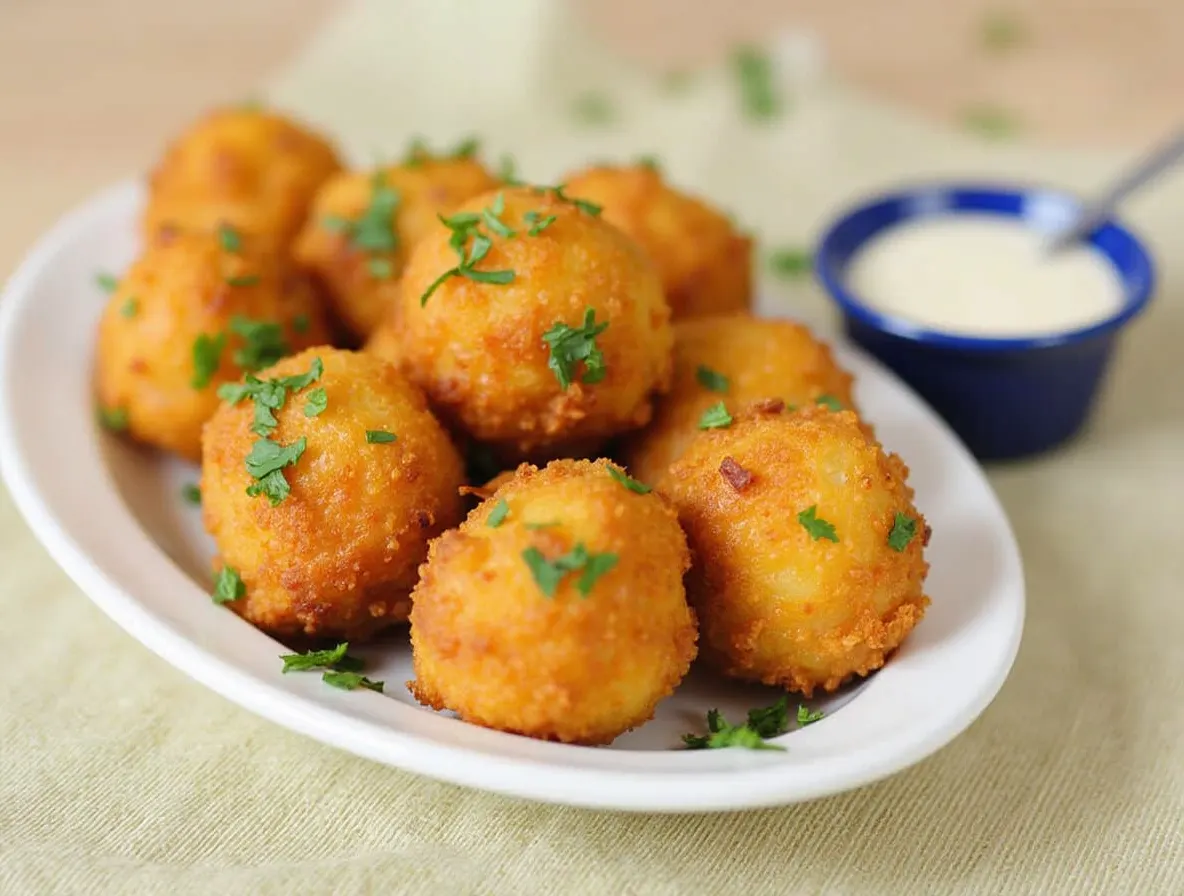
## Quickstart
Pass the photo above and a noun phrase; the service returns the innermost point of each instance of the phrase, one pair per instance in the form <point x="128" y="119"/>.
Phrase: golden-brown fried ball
<point x="189" y="315"/>
<point x="363" y="226"/>
<point x="705" y="265"/>
<point x="808" y="553"/>
<point x="247" y="167"/>
<point x="562" y="350"/>
<point x="373" y="477"/>
<point x="739" y="360"/>
<point x="557" y="609"/>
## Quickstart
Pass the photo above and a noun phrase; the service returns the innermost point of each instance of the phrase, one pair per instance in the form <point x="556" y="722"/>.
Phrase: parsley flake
<point x="316" y="403"/>
<point x="266" y="464"/>
<point x="374" y="229"/>
<point x="113" y="419"/>
<point x="490" y="216"/>
<point x="263" y="343"/>
<point x="269" y="395"/>
<point x="715" y="417"/>
<point x="243" y="280"/>
<point x="379" y="436"/>
<point x="761" y="723"/>
<point x="380" y="268"/>
<point x="538" y="223"/>
<point x="336" y="659"/>
<point x="789" y="263"/>
<point x="712" y="380"/>
<point x="903" y="529"/>
<point x="129" y="309"/>
<point x="107" y="282"/>
<point x="593" y="108"/>
<point x="498" y="515"/>
<point x="351" y="681"/>
<point x="466" y="149"/>
<point x="228" y="586"/>
<point x="507" y="171"/>
<point x="818" y="528"/>
<point x="588" y="208"/>
<point x="207" y="357"/>
<point x="301" y="323"/>
<point x="629" y="482"/>
<point x="229" y="238"/>
<point x="990" y="122"/>
<point x="534" y="527"/>
<point x="466" y="226"/>
<point x="570" y="345"/>
<point x="191" y="493"/>
<point x="650" y="162"/>
<point x="549" y="573"/>
<point x="806" y="716"/>
<point x="759" y="97"/>
<point x="829" y="402"/>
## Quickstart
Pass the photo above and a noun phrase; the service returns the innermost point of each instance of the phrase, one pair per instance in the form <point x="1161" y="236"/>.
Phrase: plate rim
<point x="524" y="777"/>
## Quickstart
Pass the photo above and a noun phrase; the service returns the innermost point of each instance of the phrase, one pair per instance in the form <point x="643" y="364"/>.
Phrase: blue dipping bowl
<point x="1005" y="397"/>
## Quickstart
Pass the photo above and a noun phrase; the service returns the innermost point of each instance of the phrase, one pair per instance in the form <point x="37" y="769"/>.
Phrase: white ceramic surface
<point x="111" y="515"/>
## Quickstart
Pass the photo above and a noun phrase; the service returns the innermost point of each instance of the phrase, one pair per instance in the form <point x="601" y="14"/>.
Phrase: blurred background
<point x="92" y="88"/>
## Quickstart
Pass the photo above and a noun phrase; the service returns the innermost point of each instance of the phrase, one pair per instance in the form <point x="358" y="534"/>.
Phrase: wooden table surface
<point x="90" y="89"/>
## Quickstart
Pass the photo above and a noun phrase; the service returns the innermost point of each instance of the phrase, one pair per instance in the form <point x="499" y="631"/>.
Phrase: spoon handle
<point x="1099" y="209"/>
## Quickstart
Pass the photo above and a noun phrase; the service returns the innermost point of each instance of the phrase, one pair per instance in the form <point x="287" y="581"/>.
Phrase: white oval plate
<point x="111" y="515"/>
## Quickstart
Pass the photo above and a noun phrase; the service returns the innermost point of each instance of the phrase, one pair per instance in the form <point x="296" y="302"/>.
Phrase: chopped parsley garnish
<point x="129" y="308"/>
<point x="593" y="108"/>
<point x="715" y="417"/>
<point x="650" y="162"/>
<point x="300" y="323"/>
<point x="418" y="152"/>
<point x="114" y="419"/>
<point x="571" y="345"/>
<point x="351" y="681"/>
<point x="490" y="215"/>
<point x="759" y="97"/>
<point x="807" y="716"/>
<point x="549" y="573"/>
<point x="263" y="343"/>
<point x="498" y="515"/>
<point x="507" y="171"/>
<point x="538" y="223"/>
<point x="266" y="464"/>
<point x="228" y="586"/>
<point x="903" y="529"/>
<point x="990" y="121"/>
<point x="243" y="280"/>
<point x="466" y="226"/>
<point x="229" y="238"/>
<point x="588" y="208"/>
<point x="107" y="282"/>
<point x="316" y="402"/>
<point x="466" y="149"/>
<point x="829" y="401"/>
<point x="269" y="395"/>
<point x="771" y="720"/>
<point x="711" y="380"/>
<point x="191" y="493"/>
<point x="336" y="659"/>
<point x="535" y="527"/>
<point x="207" y="357"/>
<point x="380" y="268"/>
<point x="629" y="482"/>
<point x="379" y="436"/>
<point x="1001" y="32"/>
<point x="374" y="230"/>
<point x="789" y="263"/>
<point x="818" y="528"/>
<point x="761" y="723"/>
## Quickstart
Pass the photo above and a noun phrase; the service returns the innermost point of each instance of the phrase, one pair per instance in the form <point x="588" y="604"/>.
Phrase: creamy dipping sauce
<point x="983" y="275"/>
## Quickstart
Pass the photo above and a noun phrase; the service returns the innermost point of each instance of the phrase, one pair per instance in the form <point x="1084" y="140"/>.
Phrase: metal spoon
<point x="1098" y="210"/>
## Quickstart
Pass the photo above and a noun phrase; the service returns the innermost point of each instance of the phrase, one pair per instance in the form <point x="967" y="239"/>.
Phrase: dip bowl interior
<point x="1004" y="397"/>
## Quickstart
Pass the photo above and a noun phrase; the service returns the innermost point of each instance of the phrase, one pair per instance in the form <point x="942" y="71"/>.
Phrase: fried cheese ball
<point x="557" y="609"/>
<point x="808" y="553"/>
<point x="362" y="227"/>
<point x="189" y="315"/>
<point x="372" y="477"/>
<point x="705" y="265"/>
<point x="553" y="341"/>
<point x="248" y="167"/>
<point x="739" y="360"/>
